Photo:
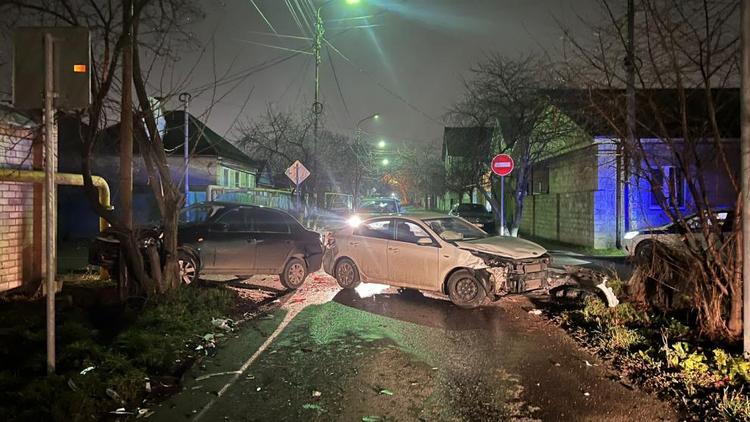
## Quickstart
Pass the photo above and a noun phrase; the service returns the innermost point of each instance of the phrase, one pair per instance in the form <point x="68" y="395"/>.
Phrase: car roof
<point x="417" y="216"/>
<point x="230" y="205"/>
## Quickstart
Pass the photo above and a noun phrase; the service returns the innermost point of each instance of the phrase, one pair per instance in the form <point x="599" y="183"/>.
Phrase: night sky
<point x="417" y="55"/>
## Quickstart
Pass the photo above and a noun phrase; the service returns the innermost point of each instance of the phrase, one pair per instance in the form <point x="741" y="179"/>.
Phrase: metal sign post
<point x="502" y="165"/>
<point x="297" y="173"/>
<point x="50" y="196"/>
<point x="54" y="77"/>
<point x="502" y="205"/>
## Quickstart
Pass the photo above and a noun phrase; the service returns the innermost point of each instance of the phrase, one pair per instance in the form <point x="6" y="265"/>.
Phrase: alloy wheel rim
<point x="187" y="271"/>
<point x="296" y="274"/>
<point x="345" y="274"/>
<point x="466" y="289"/>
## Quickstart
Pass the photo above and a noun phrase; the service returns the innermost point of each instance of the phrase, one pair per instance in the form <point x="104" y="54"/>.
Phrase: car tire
<point x="294" y="274"/>
<point x="188" y="267"/>
<point x="465" y="290"/>
<point x="346" y="274"/>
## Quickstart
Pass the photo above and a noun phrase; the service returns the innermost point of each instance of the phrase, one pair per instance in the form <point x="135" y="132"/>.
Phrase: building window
<point x="672" y="183"/>
<point x="225" y="179"/>
<point x="540" y="180"/>
<point x="236" y="179"/>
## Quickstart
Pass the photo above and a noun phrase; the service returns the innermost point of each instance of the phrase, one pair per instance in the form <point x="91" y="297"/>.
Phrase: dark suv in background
<point x="236" y="239"/>
<point x="476" y="214"/>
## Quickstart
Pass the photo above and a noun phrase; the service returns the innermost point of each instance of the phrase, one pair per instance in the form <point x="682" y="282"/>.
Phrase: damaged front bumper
<point x="502" y="276"/>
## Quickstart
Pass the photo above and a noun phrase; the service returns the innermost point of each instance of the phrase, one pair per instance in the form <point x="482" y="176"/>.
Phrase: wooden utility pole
<point x="745" y="174"/>
<point x="126" y="138"/>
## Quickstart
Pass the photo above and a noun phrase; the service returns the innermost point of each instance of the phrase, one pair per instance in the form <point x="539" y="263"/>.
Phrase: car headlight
<point x="630" y="235"/>
<point x="354" y="221"/>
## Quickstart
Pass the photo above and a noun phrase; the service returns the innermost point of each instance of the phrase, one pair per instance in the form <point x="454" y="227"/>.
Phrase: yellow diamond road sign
<point x="297" y="172"/>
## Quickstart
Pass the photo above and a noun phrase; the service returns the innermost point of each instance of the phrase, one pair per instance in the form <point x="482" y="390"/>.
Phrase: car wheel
<point x="188" y="267"/>
<point x="346" y="274"/>
<point x="465" y="290"/>
<point x="295" y="273"/>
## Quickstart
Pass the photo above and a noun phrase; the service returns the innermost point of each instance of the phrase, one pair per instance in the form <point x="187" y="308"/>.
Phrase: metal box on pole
<point x="71" y="70"/>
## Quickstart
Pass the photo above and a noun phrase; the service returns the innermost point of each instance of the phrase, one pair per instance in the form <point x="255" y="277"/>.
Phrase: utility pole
<point x="745" y="174"/>
<point x="126" y="137"/>
<point x="185" y="98"/>
<point x="317" y="107"/>
<point x="623" y="151"/>
<point x="126" y="119"/>
<point x="50" y="195"/>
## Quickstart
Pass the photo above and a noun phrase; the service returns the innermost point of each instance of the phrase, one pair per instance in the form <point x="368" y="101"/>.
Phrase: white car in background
<point x="640" y="244"/>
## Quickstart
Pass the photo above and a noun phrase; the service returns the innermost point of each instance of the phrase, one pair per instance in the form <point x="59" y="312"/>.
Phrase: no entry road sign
<point x="502" y="164"/>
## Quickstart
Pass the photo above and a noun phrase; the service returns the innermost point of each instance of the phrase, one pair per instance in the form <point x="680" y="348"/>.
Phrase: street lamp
<point x="385" y="162"/>
<point x="374" y="116"/>
<point x="381" y="144"/>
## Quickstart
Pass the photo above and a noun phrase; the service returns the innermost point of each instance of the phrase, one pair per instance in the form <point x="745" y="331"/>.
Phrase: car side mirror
<point x="218" y="227"/>
<point x="451" y="236"/>
<point x="424" y="241"/>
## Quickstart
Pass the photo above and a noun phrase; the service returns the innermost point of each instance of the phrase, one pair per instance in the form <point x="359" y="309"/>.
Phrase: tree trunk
<point x="735" y="305"/>
<point x="171" y="273"/>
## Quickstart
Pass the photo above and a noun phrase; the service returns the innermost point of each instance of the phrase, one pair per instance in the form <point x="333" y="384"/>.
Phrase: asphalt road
<point x="376" y="354"/>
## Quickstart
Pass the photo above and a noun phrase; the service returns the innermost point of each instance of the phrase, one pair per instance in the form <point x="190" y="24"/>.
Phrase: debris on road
<point x="312" y="406"/>
<point x="385" y="392"/>
<point x="87" y="370"/>
<point x="371" y="419"/>
<point x="535" y="312"/>
<point x="114" y="396"/>
<point x="316" y="394"/>
<point x="225" y="324"/>
<point x="217" y="374"/>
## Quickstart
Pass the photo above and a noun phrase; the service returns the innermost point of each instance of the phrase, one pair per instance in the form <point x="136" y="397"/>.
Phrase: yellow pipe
<point x="69" y="179"/>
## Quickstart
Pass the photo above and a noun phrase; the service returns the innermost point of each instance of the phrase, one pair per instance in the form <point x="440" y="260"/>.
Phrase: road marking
<point x="236" y="374"/>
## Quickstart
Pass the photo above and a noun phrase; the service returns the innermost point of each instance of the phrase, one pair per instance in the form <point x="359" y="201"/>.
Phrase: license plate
<point x="533" y="268"/>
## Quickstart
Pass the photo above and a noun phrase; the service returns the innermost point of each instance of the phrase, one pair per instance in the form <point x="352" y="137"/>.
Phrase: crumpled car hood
<point x="506" y="246"/>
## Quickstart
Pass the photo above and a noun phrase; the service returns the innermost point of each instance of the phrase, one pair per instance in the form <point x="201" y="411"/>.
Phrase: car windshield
<point x="383" y="207"/>
<point x="457" y="225"/>
<point x="196" y="214"/>
<point x="471" y="208"/>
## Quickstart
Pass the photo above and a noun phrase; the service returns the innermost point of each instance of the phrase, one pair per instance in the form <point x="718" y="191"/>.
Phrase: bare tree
<point x="158" y="35"/>
<point x="281" y="138"/>
<point x="686" y="69"/>
<point x="511" y="95"/>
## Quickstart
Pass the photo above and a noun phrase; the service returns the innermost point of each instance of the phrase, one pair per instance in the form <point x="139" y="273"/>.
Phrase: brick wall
<point x="16" y="204"/>
<point x="567" y="212"/>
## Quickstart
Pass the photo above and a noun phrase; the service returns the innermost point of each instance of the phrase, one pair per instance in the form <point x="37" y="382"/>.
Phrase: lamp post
<point x="185" y="99"/>
<point x="361" y="166"/>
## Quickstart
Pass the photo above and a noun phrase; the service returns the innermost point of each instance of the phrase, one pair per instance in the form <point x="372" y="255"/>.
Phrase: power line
<point x="338" y="85"/>
<point x="263" y="16"/>
<point x="381" y="85"/>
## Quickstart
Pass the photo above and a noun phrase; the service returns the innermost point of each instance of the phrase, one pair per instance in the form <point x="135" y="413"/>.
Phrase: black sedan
<point x="237" y="239"/>
<point x="476" y="214"/>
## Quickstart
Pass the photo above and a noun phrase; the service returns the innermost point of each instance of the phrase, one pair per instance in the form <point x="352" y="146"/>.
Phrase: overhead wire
<point x="338" y="85"/>
<point x="381" y="85"/>
<point x="262" y="15"/>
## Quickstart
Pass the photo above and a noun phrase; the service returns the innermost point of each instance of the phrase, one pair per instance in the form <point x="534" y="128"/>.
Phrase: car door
<point x="273" y="240"/>
<point x="411" y="264"/>
<point x="230" y="239"/>
<point x="368" y="247"/>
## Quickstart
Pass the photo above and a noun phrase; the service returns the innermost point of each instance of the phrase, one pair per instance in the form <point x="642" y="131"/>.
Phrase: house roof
<point x="464" y="141"/>
<point x="658" y="111"/>
<point x="203" y="140"/>
<point x="13" y="117"/>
